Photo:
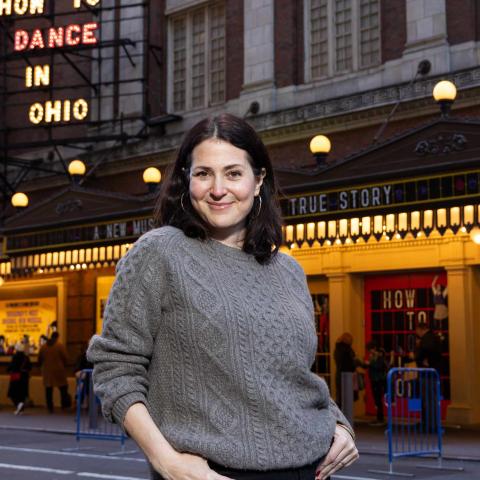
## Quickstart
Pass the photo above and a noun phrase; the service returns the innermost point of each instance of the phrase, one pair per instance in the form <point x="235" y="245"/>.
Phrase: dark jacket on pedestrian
<point x="429" y="351"/>
<point x="344" y="357"/>
<point x="53" y="361"/>
<point x="19" y="370"/>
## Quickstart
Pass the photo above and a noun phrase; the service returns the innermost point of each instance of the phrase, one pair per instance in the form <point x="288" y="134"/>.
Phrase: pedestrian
<point x="208" y="334"/>
<point x="52" y="359"/>
<point x="3" y="347"/>
<point x="19" y="370"/>
<point x="376" y="365"/>
<point x="345" y="361"/>
<point x="428" y="354"/>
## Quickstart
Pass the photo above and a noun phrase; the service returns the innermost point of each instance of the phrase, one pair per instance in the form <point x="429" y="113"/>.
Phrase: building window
<point x="197" y="58"/>
<point x="369" y="33"/>
<point x="341" y="36"/>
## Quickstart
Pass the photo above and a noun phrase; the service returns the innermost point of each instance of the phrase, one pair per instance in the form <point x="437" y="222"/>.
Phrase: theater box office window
<point x="381" y="231"/>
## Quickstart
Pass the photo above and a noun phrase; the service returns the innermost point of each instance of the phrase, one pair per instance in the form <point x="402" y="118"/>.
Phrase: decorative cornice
<point x="372" y="244"/>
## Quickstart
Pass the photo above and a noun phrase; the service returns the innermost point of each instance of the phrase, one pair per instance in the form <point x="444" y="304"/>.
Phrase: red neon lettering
<point x="55" y="37"/>
<point x="88" y="37"/>
<point x="36" y="40"/>
<point x="69" y="32"/>
<point x="21" y="40"/>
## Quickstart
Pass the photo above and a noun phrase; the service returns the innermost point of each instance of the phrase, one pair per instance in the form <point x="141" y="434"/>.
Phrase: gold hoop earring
<point x="181" y="202"/>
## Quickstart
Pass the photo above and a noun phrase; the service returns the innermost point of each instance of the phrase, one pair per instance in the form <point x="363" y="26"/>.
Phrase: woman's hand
<point x="185" y="466"/>
<point x="342" y="453"/>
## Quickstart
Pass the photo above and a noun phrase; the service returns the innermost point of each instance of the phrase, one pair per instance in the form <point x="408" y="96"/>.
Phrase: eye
<point x="234" y="173"/>
<point x="200" y="173"/>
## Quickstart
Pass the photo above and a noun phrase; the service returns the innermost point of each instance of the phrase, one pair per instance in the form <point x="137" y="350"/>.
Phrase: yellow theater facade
<point x="389" y="238"/>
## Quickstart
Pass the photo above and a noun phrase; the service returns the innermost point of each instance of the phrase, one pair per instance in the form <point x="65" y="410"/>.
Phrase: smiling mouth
<point x="219" y="206"/>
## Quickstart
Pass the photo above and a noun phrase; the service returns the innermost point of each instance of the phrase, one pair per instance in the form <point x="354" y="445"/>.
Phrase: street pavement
<point x="42" y="446"/>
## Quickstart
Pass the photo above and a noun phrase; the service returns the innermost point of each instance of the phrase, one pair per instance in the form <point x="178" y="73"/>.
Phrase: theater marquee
<point x="36" y="40"/>
<point x="427" y="191"/>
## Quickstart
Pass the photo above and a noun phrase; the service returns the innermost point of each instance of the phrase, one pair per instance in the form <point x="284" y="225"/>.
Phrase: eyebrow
<point x="228" y="167"/>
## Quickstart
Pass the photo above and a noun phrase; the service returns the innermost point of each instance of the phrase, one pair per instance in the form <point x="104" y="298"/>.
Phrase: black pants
<point x="429" y="397"/>
<point x="301" y="473"/>
<point x="378" y="391"/>
<point x="65" y="399"/>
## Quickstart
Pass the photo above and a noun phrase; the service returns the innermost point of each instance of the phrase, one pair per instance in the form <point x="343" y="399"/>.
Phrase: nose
<point x="218" y="189"/>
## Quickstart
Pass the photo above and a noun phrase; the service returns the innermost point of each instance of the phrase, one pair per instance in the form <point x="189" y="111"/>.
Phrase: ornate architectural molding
<point x="441" y="144"/>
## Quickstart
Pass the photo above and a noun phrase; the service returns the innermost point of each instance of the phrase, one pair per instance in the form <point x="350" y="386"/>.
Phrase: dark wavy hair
<point x="263" y="230"/>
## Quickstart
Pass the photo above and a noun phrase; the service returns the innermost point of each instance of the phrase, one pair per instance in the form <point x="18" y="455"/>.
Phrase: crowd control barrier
<point x="89" y="420"/>
<point x="414" y="421"/>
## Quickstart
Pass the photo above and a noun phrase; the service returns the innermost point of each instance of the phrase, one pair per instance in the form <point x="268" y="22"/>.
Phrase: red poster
<point x="394" y="304"/>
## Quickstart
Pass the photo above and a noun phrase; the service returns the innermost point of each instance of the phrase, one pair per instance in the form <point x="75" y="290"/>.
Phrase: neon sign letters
<point x="37" y="76"/>
<point x="69" y="36"/>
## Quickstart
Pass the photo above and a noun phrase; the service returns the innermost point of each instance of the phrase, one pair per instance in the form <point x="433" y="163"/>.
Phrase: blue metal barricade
<point x="414" y="416"/>
<point x="90" y="422"/>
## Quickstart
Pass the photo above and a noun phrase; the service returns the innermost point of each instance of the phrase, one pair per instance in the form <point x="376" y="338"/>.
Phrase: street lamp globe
<point x="444" y="94"/>
<point x="320" y="144"/>
<point x="152" y="177"/>
<point x="76" y="168"/>
<point x="320" y="147"/>
<point x="20" y="200"/>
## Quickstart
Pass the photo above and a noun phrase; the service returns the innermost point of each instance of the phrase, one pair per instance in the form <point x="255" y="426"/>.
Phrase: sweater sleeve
<point x="121" y="354"/>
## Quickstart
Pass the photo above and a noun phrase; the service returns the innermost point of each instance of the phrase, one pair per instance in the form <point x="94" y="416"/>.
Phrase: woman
<point x="344" y="357"/>
<point x="19" y="370"/>
<point x="53" y="360"/>
<point x="209" y="336"/>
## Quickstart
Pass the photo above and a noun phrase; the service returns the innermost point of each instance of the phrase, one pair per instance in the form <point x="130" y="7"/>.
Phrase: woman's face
<point x="222" y="188"/>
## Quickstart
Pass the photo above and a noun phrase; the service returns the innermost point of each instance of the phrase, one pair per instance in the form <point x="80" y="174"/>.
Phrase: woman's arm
<point x="121" y="354"/>
<point x="171" y="465"/>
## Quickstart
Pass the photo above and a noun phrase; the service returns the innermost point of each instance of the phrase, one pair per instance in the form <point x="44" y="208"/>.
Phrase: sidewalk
<point x="458" y="443"/>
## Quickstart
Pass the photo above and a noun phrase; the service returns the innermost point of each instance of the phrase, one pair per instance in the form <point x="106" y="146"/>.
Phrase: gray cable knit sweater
<point x="219" y="349"/>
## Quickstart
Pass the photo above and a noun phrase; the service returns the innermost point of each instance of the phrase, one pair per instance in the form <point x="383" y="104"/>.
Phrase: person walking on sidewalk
<point x="209" y="333"/>
<point x="52" y="359"/>
<point x="428" y="354"/>
<point x="376" y="364"/>
<point x="345" y="361"/>
<point x="19" y="370"/>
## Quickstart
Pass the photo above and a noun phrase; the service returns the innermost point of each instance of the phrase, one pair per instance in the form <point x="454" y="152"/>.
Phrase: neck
<point x="231" y="238"/>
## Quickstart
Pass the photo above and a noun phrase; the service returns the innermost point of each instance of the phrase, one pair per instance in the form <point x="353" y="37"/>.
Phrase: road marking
<point x="35" y="469"/>
<point x="71" y="454"/>
<point x="109" y="477"/>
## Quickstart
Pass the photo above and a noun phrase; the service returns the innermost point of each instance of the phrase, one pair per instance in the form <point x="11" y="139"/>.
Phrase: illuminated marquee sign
<point x="68" y="36"/>
<point x="422" y="190"/>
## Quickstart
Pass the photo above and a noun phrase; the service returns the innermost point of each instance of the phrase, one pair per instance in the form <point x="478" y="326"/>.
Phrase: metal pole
<point x="347" y="395"/>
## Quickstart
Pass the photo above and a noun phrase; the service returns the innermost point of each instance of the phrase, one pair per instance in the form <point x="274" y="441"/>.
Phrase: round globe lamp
<point x="320" y="147"/>
<point x="76" y="169"/>
<point x="152" y="177"/>
<point x="20" y="200"/>
<point x="475" y="235"/>
<point x="444" y="94"/>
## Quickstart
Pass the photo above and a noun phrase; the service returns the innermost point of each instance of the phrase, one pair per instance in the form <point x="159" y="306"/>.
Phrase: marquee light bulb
<point x="80" y="109"/>
<point x="36" y="113"/>
<point x="475" y="235"/>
